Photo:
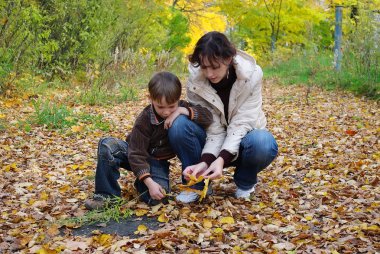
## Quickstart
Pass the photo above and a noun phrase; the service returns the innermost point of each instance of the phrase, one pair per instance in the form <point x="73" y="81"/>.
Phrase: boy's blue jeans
<point x="257" y="150"/>
<point x="112" y="155"/>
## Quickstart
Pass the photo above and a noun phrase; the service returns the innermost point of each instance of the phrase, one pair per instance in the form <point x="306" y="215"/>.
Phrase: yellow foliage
<point x="77" y="128"/>
<point x="218" y="231"/>
<point x="204" y="18"/>
<point x="141" y="229"/>
<point x="141" y="212"/>
<point x="227" y="220"/>
<point x="194" y="180"/>
<point x="163" y="218"/>
<point x="207" y="223"/>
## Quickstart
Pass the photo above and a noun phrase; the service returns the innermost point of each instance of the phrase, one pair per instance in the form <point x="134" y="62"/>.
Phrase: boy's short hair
<point x="165" y="85"/>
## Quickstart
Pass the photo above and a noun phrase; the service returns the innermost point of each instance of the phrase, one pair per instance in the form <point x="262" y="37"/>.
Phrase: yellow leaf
<point x="163" y="218"/>
<point x="262" y="205"/>
<point x="10" y="167"/>
<point x="227" y="220"/>
<point x="77" y="128"/>
<point x="218" y="231"/>
<point x="141" y="212"/>
<point x="308" y="217"/>
<point x="64" y="188"/>
<point x="141" y="229"/>
<point x="44" y="195"/>
<point x="373" y="228"/>
<point x="42" y="251"/>
<point x="104" y="239"/>
<point x="204" y="191"/>
<point x="207" y="223"/>
<point x="193" y="180"/>
<point x="2" y="116"/>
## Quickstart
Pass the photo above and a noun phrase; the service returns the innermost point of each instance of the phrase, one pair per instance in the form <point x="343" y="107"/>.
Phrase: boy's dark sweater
<point x="149" y="139"/>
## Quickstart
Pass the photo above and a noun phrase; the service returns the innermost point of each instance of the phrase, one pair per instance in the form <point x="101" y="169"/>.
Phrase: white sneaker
<point x="244" y="193"/>
<point x="187" y="197"/>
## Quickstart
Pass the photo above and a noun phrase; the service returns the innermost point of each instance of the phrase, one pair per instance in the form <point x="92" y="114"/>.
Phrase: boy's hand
<point x="179" y="111"/>
<point x="155" y="190"/>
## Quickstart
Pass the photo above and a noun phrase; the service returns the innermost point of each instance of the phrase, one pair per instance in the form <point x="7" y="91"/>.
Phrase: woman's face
<point x="215" y="71"/>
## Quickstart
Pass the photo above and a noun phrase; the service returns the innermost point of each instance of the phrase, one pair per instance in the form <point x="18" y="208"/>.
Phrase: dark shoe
<point x="97" y="202"/>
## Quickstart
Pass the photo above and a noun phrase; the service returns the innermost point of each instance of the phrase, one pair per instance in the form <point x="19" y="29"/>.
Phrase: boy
<point x="146" y="150"/>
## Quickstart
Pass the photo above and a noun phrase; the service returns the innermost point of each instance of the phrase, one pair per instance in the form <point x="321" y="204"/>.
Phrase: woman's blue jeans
<point x="257" y="150"/>
<point x="112" y="155"/>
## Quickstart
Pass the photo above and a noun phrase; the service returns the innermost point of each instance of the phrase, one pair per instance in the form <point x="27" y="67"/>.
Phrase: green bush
<point x="310" y="67"/>
<point x="361" y="57"/>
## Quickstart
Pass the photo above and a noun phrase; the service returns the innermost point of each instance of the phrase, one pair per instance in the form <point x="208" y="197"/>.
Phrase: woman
<point x="228" y="83"/>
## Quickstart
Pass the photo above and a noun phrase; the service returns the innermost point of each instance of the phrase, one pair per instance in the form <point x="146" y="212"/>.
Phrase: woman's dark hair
<point x="165" y="84"/>
<point x="214" y="46"/>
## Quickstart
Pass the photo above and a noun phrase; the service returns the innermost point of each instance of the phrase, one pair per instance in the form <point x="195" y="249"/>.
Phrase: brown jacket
<point x="149" y="139"/>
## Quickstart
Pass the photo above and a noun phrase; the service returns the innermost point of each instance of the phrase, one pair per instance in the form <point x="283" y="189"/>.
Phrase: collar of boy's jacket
<point x="154" y="117"/>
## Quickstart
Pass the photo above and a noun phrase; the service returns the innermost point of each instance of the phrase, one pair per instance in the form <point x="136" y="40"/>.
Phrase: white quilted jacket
<point x="244" y="110"/>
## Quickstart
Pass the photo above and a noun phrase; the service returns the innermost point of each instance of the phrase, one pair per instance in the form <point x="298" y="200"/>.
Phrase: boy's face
<point x="164" y="109"/>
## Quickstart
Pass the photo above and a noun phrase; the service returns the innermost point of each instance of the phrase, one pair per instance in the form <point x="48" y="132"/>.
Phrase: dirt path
<point x="321" y="195"/>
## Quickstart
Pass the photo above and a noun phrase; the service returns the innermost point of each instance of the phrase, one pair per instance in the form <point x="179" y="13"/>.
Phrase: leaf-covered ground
<point x="321" y="194"/>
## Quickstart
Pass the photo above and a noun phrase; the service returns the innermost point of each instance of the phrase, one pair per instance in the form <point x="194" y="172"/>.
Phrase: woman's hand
<point x="155" y="190"/>
<point x="215" y="170"/>
<point x="195" y="170"/>
<point x="170" y="119"/>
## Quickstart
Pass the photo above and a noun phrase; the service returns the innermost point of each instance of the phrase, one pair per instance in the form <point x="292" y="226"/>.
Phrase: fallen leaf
<point x="141" y="229"/>
<point x="207" y="223"/>
<point x="227" y="220"/>
<point x="163" y="218"/>
<point x="77" y="128"/>
<point x="141" y="212"/>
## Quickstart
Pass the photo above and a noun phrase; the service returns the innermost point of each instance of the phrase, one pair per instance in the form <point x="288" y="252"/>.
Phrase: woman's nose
<point x="209" y="73"/>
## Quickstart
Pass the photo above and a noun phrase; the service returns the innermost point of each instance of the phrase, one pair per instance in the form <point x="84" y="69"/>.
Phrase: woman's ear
<point x="229" y="61"/>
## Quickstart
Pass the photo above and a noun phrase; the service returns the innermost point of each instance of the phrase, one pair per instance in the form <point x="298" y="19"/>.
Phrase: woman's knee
<point x="260" y="145"/>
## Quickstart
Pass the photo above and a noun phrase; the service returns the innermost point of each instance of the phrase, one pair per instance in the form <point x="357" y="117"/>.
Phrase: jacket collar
<point x="155" y="119"/>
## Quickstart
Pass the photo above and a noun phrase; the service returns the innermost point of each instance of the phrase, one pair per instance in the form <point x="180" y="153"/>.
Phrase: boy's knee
<point x="105" y="148"/>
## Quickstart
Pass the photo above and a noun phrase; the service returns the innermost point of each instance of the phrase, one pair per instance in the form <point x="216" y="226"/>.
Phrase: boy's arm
<point x="198" y="114"/>
<point x="138" y="146"/>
